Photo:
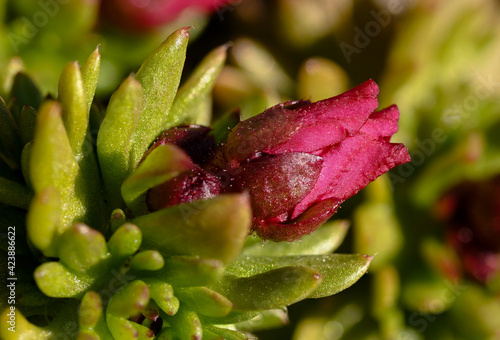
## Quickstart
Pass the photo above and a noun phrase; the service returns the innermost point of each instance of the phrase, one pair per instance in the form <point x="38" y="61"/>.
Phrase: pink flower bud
<point x="298" y="160"/>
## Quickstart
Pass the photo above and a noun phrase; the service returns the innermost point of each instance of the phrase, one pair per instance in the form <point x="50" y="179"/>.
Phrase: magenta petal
<point x="383" y="123"/>
<point x="259" y="132"/>
<point x="350" y="166"/>
<point x="329" y="121"/>
<point x="305" y="224"/>
<point x="277" y="183"/>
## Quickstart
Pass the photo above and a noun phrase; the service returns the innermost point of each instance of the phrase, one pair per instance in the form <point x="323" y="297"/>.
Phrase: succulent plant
<point x="92" y="262"/>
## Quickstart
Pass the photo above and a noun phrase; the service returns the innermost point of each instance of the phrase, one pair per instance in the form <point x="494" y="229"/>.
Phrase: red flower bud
<point x="194" y="184"/>
<point x="298" y="160"/>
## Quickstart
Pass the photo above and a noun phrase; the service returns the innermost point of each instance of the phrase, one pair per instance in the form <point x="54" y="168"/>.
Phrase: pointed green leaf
<point x="212" y="229"/>
<point x="42" y="221"/>
<point x="272" y="289"/>
<point x="74" y="103"/>
<point x="205" y="301"/>
<point x="14" y="193"/>
<point x="322" y="241"/>
<point x="90" y="75"/>
<point x="25" y="163"/>
<point x="159" y="76"/>
<point x="53" y="164"/>
<point x="55" y="280"/>
<point x="339" y="271"/>
<point x="162" y="164"/>
<point x="113" y="139"/>
<point x="191" y="271"/>
<point x="193" y="94"/>
<point x="81" y="247"/>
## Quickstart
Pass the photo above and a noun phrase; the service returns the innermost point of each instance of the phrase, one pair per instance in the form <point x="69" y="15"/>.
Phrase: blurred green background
<point x="434" y="223"/>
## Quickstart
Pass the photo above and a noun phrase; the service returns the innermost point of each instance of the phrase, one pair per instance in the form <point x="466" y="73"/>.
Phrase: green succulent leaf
<point x="161" y="164"/>
<point x="232" y="318"/>
<point x="24" y="329"/>
<point x="186" y="325"/>
<point x="147" y="260"/>
<point x="27" y="122"/>
<point x="339" y="271"/>
<point x="268" y="319"/>
<point x="25" y="91"/>
<point x="205" y="301"/>
<point x="55" y="280"/>
<point x="90" y="311"/>
<point x="271" y="289"/>
<point x="191" y="271"/>
<point x="43" y="220"/>
<point x="163" y="294"/>
<point x="90" y="75"/>
<point x="323" y="241"/>
<point x="117" y="219"/>
<point x="25" y="164"/>
<point x="128" y="302"/>
<point x="125" y="241"/>
<point x="189" y="104"/>
<point x="217" y="333"/>
<point x="81" y="248"/>
<point x="214" y="229"/>
<point x="53" y="164"/>
<point x="159" y="76"/>
<point x="14" y="194"/>
<point x="113" y="139"/>
<point x="75" y="109"/>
